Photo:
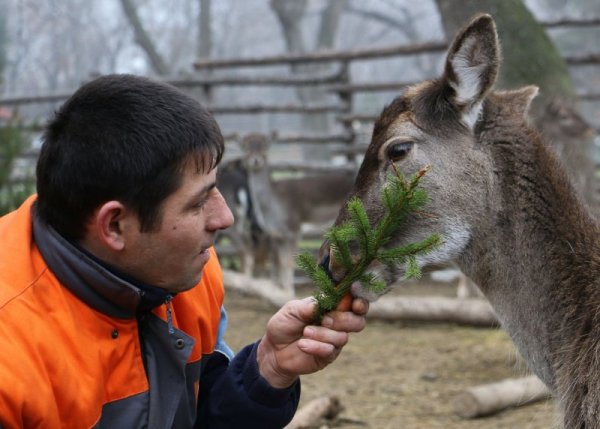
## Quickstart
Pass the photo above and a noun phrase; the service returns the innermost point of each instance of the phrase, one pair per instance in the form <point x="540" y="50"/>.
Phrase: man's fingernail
<point x="327" y="322"/>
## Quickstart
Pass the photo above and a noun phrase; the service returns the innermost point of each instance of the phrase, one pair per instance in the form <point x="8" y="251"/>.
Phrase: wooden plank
<point x="296" y="80"/>
<point x="273" y="108"/>
<point x="312" y="138"/>
<point x="325" y="56"/>
<point x="368" y="87"/>
<point x="572" y="22"/>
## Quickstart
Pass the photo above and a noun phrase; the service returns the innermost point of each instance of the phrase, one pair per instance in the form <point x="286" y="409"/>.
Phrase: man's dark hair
<point x="125" y="138"/>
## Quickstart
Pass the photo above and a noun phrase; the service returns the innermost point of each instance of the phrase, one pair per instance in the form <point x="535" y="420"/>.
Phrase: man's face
<point x="172" y="257"/>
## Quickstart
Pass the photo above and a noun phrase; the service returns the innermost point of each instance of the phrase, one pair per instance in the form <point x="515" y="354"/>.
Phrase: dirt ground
<point x="405" y="375"/>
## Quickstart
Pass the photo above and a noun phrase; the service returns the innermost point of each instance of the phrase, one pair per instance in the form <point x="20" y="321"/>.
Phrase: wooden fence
<point x="228" y="73"/>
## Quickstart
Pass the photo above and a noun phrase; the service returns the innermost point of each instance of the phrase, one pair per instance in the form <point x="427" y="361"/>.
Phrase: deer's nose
<point x="328" y="263"/>
<point x="325" y="265"/>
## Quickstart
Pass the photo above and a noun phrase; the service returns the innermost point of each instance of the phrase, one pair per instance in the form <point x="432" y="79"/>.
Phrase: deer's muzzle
<point x="333" y="269"/>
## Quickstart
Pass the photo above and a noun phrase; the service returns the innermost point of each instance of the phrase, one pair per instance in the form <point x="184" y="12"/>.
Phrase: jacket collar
<point x="99" y="285"/>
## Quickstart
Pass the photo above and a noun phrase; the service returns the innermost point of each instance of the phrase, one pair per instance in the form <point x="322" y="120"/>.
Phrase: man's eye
<point x="199" y="203"/>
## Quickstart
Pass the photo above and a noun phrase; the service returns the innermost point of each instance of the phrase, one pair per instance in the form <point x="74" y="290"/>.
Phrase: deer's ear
<point x="521" y="99"/>
<point x="472" y="65"/>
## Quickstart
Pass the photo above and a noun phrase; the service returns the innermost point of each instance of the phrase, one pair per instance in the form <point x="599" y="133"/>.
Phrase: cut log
<point x="310" y="415"/>
<point x="468" y="311"/>
<point x="264" y="288"/>
<point x="488" y="399"/>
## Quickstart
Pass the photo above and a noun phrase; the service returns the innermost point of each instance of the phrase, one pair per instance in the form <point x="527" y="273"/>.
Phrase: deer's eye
<point x="398" y="151"/>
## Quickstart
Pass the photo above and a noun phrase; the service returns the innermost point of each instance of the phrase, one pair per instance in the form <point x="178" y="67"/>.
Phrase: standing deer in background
<point x="233" y="185"/>
<point x="509" y="217"/>
<point x="271" y="212"/>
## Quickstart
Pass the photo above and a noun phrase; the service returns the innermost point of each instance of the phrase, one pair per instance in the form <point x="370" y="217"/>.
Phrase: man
<point x="110" y="291"/>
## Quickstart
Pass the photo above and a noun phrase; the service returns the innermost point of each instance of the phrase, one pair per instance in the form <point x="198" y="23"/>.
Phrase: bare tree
<point x="405" y="20"/>
<point x="58" y="45"/>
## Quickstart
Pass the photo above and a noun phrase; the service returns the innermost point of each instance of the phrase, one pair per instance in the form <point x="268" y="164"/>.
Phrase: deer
<point x="232" y="180"/>
<point x="508" y="214"/>
<point x="270" y="213"/>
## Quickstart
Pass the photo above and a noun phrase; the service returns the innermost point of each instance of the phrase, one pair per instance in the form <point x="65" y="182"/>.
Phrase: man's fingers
<point x="360" y="306"/>
<point x="303" y="309"/>
<point x="318" y="333"/>
<point x="324" y="351"/>
<point x="287" y="324"/>
<point x="344" y="321"/>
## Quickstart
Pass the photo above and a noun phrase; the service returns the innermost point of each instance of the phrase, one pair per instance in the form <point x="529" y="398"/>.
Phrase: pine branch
<point x="400" y="198"/>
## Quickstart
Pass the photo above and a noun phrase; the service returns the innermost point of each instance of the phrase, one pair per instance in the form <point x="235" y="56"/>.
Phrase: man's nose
<point x="221" y="216"/>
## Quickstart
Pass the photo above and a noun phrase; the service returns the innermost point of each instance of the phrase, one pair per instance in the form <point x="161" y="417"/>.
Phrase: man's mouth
<point x="205" y="250"/>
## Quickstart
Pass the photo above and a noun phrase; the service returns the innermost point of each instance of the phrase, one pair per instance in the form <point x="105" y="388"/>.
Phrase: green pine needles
<point x="400" y="197"/>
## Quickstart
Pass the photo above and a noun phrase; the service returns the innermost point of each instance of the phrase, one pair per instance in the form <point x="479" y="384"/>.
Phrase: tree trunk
<point x="290" y="14"/>
<point x="530" y="57"/>
<point x="204" y="46"/>
<point x="330" y="20"/>
<point x="203" y="49"/>
<point x="143" y="39"/>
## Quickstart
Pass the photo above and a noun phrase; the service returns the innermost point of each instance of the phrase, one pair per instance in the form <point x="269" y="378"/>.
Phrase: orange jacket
<point x="65" y="364"/>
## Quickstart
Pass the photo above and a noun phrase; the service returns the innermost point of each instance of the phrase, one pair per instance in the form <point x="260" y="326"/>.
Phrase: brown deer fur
<point x="509" y="216"/>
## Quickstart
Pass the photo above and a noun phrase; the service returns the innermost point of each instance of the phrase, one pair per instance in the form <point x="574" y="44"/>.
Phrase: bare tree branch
<point x="377" y="16"/>
<point x="578" y="22"/>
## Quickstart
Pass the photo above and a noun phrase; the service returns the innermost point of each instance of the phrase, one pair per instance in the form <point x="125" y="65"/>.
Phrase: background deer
<point x="509" y="216"/>
<point x="270" y="213"/>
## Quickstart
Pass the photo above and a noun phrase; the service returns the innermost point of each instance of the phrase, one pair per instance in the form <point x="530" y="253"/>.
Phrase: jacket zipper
<point x="169" y="314"/>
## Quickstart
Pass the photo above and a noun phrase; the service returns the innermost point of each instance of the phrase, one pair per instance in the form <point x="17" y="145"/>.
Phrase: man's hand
<point x="292" y="346"/>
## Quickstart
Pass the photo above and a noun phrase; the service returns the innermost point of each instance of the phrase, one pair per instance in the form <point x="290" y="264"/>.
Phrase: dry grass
<point x="405" y="375"/>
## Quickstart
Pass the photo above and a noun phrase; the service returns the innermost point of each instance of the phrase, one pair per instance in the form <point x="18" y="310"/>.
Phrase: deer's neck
<point x="537" y="253"/>
<point x="269" y="213"/>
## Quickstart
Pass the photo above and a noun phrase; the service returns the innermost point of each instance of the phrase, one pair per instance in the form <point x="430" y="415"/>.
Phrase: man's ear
<point x="109" y="224"/>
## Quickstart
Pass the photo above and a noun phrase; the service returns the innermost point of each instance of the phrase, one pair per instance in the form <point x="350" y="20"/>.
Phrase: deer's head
<point x="255" y="149"/>
<point x="438" y="123"/>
